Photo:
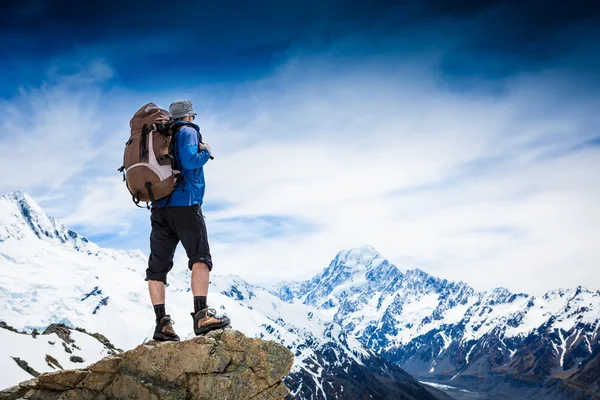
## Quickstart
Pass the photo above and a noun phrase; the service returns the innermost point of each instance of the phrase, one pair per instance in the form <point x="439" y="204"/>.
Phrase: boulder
<point x="223" y="364"/>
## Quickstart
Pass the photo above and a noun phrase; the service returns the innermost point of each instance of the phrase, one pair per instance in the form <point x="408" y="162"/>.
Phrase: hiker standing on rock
<point x="178" y="217"/>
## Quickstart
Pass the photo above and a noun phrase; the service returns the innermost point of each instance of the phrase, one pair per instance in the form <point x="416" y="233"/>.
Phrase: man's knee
<point x="200" y="265"/>
<point x="158" y="268"/>
<point x="152" y="276"/>
<point x="201" y="258"/>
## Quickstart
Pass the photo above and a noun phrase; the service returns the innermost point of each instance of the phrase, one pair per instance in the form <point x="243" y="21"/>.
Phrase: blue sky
<point x="459" y="137"/>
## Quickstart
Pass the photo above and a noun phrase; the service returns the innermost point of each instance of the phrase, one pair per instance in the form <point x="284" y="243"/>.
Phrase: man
<point x="178" y="217"/>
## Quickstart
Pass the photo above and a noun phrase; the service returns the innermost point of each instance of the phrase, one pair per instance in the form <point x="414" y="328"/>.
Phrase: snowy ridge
<point x="23" y="219"/>
<point x="362" y="291"/>
<point x="439" y="329"/>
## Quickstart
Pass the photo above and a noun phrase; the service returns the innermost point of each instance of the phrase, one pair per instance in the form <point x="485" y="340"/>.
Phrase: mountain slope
<point x="330" y="363"/>
<point x="448" y="332"/>
<point x="24" y="356"/>
<point x="49" y="274"/>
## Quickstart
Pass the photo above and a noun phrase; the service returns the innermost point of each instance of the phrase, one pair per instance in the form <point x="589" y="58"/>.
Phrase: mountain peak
<point x="21" y="217"/>
<point x="359" y="256"/>
<point x="16" y="194"/>
<point x="352" y="263"/>
<point x="19" y="197"/>
<point x="365" y="248"/>
<point x="582" y="289"/>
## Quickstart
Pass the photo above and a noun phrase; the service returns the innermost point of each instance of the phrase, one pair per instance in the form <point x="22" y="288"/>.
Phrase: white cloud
<point x="470" y="187"/>
<point x="482" y="187"/>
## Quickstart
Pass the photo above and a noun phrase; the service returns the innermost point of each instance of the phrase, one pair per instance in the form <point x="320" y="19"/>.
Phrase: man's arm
<point x="189" y="155"/>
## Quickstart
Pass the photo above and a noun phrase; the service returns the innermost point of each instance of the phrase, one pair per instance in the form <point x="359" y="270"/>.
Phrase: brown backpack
<point x="148" y="161"/>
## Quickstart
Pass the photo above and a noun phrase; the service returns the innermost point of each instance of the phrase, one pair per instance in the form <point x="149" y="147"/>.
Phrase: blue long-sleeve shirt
<point x="189" y="190"/>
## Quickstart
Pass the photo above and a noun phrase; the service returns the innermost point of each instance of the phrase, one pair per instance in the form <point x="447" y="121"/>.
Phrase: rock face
<point x="223" y="364"/>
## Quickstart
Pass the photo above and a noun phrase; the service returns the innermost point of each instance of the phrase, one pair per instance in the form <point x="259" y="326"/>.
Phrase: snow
<point x="563" y="348"/>
<point x="34" y="352"/>
<point x="479" y="325"/>
<point x="469" y="354"/>
<point x="587" y="342"/>
<point x="447" y="341"/>
<point x="457" y="313"/>
<point x="444" y="387"/>
<point x="576" y="337"/>
<point x="414" y="312"/>
<point x="536" y="315"/>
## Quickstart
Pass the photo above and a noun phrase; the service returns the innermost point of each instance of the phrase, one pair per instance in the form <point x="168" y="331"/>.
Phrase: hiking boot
<point x="164" y="330"/>
<point x="207" y="320"/>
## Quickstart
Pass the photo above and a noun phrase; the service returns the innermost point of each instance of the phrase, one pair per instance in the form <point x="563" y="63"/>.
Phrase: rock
<point x="95" y="382"/>
<point x="108" y="364"/>
<point x="4" y="325"/>
<point x="102" y="339"/>
<point x="25" y="366"/>
<point x="223" y="364"/>
<point x="67" y="349"/>
<point x="16" y="392"/>
<point x="52" y="362"/>
<point x="60" y="381"/>
<point x="61" y="330"/>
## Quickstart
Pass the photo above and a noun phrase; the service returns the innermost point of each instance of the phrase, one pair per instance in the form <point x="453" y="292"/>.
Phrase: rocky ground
<point x="222" y="364"/>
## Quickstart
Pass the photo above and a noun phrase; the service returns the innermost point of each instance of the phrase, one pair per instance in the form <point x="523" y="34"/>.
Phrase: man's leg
<point x="157" y="292"/>
<point x="191" y="230"/>
<point x="204" y="319"/>
<point x="157" y="296"/>
<point x="163" y="242"/>
<point x="200" y="281"/>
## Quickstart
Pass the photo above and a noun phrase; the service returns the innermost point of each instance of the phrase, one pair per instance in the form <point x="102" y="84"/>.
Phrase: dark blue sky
<point x="168" y="44"/>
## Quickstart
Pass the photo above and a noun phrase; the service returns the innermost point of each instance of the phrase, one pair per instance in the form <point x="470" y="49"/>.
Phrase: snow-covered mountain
<point x="50" y="274"/>
<point x="446" y="331"/>
<point x="348" y="326"/>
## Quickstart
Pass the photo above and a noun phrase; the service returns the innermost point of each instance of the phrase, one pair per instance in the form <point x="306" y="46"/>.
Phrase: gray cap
<point x="181" y="108"/>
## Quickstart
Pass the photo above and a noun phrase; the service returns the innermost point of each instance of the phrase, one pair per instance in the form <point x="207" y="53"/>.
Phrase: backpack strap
<point x="179" y="124"/>
<point x="148" y="187"/>
<point x="144" y="143"/>
<point x="163" y="158"/>
<point x="136" y="200"/>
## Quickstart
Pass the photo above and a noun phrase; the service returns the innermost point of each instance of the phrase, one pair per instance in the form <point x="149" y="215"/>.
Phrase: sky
<point x="458" y="137"/>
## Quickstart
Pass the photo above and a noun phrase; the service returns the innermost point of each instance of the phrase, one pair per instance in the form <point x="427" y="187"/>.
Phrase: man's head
<point x="182" y="110"/>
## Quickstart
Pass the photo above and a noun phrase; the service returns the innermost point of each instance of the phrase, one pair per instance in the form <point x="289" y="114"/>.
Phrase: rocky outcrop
<point x="223" y="364"/>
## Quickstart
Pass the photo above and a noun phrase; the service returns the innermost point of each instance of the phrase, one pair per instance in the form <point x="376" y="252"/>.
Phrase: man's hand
<point x="205" y="146"/>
